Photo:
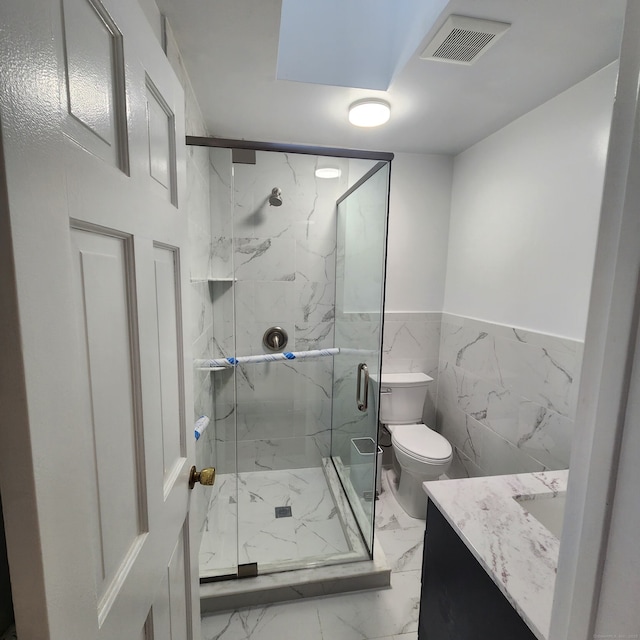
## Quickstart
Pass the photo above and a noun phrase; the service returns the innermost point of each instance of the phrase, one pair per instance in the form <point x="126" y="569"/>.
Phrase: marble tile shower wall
<point x="222" y="298"/>
<point x="506" y="397"/>
<point x="198" y="211"/>
<point x="283" y="262"/>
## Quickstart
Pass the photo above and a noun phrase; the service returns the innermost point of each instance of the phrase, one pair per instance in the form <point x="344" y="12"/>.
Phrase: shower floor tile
<point x="384" y="614"/>
<point x="242" y="527"/>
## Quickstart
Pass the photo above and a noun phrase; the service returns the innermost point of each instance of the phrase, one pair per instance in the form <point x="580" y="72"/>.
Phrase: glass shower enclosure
<point x="287" y="370"/>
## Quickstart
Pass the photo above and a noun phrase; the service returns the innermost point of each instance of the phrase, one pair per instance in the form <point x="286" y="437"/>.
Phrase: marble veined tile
<point x="545" y="435"/>
<point x="218" y="554"/>
<point x="373" y="614"/>
<point x="221" y="257"/>
<point x="314" y="335"/>
<point x="463" y="467"/>
<point x="403" y="338"/>
<point x="315" y="301"/>
<point x="313" y="531"/>
<point x="403" y="548"/>
<point x="316" y="261"/>
<point x="538" y="374"/>
<point x="278" y="454"/>
<point x="272" y="622"/>
<point x="385" y="614"/>
<point x="520" y="384"/>
<point x="264" y="258"/>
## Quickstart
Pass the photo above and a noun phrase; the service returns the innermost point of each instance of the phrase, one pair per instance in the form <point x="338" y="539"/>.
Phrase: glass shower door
<point x="360" y="273"/>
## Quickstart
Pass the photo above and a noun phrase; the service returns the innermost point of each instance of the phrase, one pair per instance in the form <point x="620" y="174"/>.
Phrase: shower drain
<point x="283" y="512"/>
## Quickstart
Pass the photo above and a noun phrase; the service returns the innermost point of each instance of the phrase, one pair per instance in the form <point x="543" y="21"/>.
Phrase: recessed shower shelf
<point x="215" y="368"/>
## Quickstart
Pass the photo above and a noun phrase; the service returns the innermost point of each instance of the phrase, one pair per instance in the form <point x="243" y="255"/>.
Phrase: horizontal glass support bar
<point x="216" y="363"/>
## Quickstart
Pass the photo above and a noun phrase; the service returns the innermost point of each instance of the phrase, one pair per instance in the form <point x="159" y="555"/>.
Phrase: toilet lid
<point x="418" y="441"/>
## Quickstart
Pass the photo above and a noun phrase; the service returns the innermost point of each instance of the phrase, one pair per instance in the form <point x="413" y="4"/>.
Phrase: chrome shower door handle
<point x="362" y="404"/>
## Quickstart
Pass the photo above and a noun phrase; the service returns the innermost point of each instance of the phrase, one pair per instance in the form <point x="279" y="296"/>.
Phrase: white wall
<point x="418" y="231"/>
<point x="524" y="214"/>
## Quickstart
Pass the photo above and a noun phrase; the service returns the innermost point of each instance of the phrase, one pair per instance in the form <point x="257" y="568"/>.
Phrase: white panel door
<point x="96" y="390"/>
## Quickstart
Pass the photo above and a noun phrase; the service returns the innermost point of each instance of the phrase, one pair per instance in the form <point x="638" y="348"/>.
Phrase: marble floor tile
<point x="403" y="548"/>
<point x="383" y="614"/>
<point x="273" y="622"/>
<point x="373" y="614"/>
<point x="313" y="531"/>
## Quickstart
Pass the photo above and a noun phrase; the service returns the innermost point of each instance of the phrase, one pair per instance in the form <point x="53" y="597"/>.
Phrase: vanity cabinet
<point x="459" y="601"/>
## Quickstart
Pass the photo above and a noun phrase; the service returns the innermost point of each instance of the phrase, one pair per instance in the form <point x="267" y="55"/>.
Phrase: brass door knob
<point x="206" y="476"/>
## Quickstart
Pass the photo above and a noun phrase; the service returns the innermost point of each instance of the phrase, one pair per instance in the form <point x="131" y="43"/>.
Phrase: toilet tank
<point x="402" y="397"/>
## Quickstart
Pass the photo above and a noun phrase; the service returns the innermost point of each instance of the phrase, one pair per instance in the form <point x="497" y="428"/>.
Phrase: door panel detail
<point x="103" y="271"/>
<point x="94" y="70"/>
<point x="90" y="532"/>
<point x="170" y="619"/>
<point x="170" y="358"/>
<point x="162" y="143"/>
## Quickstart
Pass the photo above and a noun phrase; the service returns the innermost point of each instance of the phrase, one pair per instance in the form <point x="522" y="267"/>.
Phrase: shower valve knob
<point x="206" y="477"/>
<point x="275" y="338"/>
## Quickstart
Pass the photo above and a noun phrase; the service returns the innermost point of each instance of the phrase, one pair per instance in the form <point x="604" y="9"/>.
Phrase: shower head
<point x="275" y="199"/>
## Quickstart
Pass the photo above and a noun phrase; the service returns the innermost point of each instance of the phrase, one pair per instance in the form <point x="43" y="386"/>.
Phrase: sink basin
<point x="547" y="509"/>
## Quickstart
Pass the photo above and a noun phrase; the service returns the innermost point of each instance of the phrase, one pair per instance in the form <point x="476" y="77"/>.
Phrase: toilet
<point x="421" y="453"/>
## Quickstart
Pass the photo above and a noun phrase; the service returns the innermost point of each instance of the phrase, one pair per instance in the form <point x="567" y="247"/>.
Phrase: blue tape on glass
<point x="201" y="424"/>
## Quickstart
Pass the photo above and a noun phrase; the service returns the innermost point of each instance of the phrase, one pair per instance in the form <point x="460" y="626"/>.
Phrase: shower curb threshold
<point x="216" y="597"/>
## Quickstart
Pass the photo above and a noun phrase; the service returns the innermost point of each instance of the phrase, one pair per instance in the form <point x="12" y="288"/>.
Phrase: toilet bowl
<point x="421" y="453"/>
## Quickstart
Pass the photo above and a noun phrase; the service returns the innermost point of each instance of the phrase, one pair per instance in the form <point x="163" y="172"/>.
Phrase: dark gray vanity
<point x="490" y="556"/>
<point x="459" y="601"/>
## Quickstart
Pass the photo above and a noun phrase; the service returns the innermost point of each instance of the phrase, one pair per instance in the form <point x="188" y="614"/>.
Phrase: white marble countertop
<point x="518" y="552"/>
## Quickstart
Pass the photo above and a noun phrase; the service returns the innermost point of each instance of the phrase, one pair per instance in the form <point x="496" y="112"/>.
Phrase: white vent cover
<point x="463" y="40"/>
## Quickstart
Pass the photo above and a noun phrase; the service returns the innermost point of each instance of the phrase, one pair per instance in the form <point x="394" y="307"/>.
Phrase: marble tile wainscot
<point x="506" y="397"/>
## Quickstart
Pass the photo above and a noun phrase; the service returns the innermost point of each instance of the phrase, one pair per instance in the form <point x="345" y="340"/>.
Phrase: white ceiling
<point x="230" y="50"/>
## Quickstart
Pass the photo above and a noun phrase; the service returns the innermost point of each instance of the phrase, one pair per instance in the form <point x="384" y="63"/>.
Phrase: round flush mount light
<point x="328" y="172"/>
<point x="369" y="112"/>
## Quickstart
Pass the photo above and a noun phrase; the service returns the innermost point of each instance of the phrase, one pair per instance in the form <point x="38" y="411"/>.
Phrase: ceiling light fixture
<point x="369" y="112"/>
<point x="328" y="172"/>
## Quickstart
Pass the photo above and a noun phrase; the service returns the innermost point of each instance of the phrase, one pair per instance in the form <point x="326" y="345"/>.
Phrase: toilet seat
<point x="421" y="443"/>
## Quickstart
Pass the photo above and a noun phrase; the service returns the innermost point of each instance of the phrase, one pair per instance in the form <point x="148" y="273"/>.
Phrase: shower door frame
<point x="382" y="158"/>
<point x="379" y="166"/>
<point x="249" y="145"/>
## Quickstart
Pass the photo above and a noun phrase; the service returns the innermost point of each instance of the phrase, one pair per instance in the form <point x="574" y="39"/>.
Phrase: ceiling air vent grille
<point x="463" y="40"/>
